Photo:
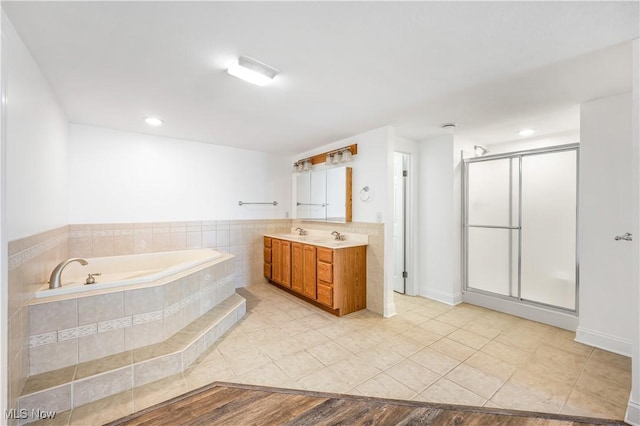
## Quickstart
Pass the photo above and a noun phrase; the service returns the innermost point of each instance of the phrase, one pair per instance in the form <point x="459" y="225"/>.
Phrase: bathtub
<point x="120" y="271"/>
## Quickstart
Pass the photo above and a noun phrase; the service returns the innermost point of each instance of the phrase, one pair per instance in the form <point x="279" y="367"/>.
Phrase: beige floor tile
<point x="204" y="374"/>
<point x="324" y="380"/>
<point x="354" y="341"/>
<point x="482" y="330"/>
<point x="445" y="391"/>
<point x="506" y="353"/>
<point x="421" y="336"/>
<point x="404" y="346"/>
<point x="454" y="318"/>
<point x="491" y="404"/>
<point x="159" y="391"/>
<point x="385" y="386"/>
<point x="61" y="419"/>
<point x="299" y="364"/>
<point x="434" y="361"/>
<point x="517" y="397"/>
<point x="329" y="352"/>
<point x="266" y="375"/>
<point x="412" y="375"/>
<point x="468" y="338"/>
<point x="380" y="356"/>
<point x="491" y="365"/>
<point x="565" y="340"/>
<point x="542" y="383"/>
<point x="453" y="349"/>
<point x="603" y="388"/>
<point x="310" y="338"/>
<point x="475" y="380"/>
<point x="353" y="371"/>
<point x="336" y="329"/>
<point x="519" y="340"/>
<point x="242" y="361"/>
<point x="280" y="348"/>
<point x="609" y="372"/>
<point x="104" y="410"/>
<point x="618" y="361"/>
<point x="438" y="327"/>
<point x="584" y="404"/>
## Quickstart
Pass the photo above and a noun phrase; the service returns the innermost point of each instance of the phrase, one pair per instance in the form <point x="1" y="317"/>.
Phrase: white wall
<point x="606" y="209"/>
<point x="128" y="177"/>
<point x="36" y="144"/>
<point x="438" y="223"/>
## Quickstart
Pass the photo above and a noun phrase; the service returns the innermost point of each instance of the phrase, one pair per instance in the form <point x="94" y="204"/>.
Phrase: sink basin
<point x="327" y="242"/>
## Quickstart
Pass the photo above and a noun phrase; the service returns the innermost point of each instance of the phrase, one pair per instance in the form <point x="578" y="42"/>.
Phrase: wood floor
<point x="233" y="404"/>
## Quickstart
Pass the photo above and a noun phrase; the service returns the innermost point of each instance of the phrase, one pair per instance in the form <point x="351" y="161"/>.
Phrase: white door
<point x="399" y="221"/>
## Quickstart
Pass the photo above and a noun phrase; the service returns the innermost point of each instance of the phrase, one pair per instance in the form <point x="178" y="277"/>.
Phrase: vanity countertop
<point x="324" y="239"/>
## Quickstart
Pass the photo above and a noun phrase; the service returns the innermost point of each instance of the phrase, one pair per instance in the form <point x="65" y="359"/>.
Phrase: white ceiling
<point x="490" y="67"/>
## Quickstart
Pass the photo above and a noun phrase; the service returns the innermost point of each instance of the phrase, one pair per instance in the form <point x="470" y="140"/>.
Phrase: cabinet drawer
<point x="325" y="254"/>
<point x="325" y="295"/>
<point x="267" y="271"/>
<point x="267" y="255"/>
<point x="267" y="241"/>
<point x="325" y="272"/>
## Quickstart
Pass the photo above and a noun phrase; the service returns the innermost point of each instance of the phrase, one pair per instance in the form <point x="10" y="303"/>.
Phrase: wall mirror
<point x="324" y="195"/>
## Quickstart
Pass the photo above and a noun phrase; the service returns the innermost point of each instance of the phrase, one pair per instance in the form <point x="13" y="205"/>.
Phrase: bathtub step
<point x="69" y="387"/>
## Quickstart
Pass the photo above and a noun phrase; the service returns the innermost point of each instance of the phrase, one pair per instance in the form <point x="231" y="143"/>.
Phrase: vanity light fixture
<point x="153" y="121"/>
<point x="346" y="155"/>
<point x="526" y="132"/>
<point x="252" y="71"/>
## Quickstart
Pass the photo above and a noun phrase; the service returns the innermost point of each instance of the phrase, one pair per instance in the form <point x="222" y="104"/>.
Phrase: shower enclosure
<point x="520" y="222"/>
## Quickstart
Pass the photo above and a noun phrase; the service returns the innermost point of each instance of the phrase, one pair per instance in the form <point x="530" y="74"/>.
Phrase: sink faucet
<point x="339" y="236"/>
<point x="54" y="280"/>
<point x="301" y="231"/>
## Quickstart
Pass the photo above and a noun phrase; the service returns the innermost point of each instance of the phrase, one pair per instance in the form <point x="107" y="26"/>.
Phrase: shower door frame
<point x="465" y="226"/>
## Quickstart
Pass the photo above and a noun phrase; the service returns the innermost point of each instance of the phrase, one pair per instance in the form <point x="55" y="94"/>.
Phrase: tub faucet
<point x="54" y="280"/>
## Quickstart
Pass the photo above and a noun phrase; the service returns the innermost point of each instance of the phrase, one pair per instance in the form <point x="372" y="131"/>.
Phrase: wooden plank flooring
<point x="233" y="404"/>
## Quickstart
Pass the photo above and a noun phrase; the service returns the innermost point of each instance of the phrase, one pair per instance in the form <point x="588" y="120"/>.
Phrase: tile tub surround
<point x="242" y="238"/>
<point x="30" y="261"/>
<point x="70" y="329"/>
<point x="82" y="384"/>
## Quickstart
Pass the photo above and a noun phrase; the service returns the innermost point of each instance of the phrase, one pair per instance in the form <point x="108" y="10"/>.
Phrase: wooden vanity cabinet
<point x="277" y="261"/>
<point x="334" y="279"/>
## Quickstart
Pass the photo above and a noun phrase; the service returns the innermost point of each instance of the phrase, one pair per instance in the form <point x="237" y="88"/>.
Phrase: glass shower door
<point x="549" y="229"/>
<point x="492" y="226"/>
<point x="520" y="219"/>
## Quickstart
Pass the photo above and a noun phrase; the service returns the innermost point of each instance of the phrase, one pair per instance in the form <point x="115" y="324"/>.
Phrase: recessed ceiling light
<point x="252" y="71"/>
<point x="526" y="132"/>
<point x="153" y="121"/>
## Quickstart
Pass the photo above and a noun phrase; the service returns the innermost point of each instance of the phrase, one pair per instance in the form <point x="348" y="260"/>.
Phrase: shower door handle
<point x="627" y="237"/>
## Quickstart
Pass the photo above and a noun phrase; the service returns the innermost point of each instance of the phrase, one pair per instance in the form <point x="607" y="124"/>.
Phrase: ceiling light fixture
<point x="526" y="132"/>
<point x="153" y="121"/>
<point x="252" y="71"/>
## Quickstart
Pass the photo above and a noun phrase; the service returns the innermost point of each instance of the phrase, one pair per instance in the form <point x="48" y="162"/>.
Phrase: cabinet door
<point x="285" y="263"/>
<point x="297" y="267"/>
<point x="309" y="271"/>
<point x="276" y="260"/>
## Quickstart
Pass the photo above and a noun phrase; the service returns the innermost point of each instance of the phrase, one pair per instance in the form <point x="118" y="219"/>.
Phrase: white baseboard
<point x="450" y="299"/>
<point x="564" y="320"/>
<point x="390" y="310"/>
<point x="605" y="341"/>
<point x="633" y="413"/>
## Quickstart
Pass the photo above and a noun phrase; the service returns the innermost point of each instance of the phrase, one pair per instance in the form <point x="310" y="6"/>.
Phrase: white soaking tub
<point x="122" y="271"/>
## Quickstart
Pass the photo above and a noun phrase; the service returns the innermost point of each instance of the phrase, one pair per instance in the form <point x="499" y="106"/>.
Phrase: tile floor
<point x="428" y="352"/>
